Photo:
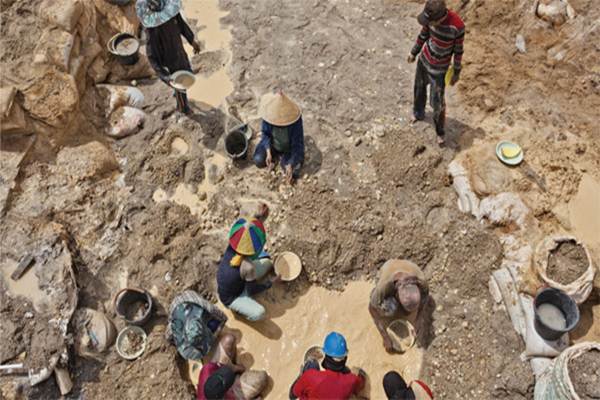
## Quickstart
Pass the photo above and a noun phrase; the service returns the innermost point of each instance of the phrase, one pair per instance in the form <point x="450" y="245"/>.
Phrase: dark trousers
<point x="260" y="158"/>
<point x="436" y="96"/>
<point x="182" y="102"/>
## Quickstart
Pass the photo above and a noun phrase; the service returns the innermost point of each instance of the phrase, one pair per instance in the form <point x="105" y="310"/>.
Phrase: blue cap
<point x="335" y="345"/>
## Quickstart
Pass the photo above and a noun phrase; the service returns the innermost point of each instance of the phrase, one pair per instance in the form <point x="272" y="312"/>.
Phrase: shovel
<point x="530" y="174"/>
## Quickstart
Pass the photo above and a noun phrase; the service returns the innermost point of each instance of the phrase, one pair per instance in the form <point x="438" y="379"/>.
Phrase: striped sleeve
<point x="421" y="39"/>
<point x="458" y="49"/>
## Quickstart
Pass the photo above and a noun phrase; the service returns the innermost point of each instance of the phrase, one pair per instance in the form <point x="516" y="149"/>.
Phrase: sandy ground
<point x="152" y="210"/>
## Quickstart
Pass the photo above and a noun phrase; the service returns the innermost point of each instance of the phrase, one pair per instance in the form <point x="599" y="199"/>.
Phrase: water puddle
<point x="27" y="286"/>
<point x="584" y="212"/>
<point x="179" y="147"/>
<point x="196" y="199"/>
<point x="212" y="89"/>
<point x="295" y="324"/>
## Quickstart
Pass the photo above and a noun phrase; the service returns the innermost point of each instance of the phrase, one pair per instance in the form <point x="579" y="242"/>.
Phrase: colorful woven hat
<point x="247" y="236"/>
<point x="150" y="18"/>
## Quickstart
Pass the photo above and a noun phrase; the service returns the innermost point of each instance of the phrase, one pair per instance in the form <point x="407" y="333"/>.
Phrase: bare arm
<point x="380" y="325"/>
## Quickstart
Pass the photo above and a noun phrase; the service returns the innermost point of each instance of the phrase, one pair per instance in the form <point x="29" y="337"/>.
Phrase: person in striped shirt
<point x="440" y="40"/>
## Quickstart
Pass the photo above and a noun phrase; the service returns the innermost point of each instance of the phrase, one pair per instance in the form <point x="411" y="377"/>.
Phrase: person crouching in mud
<point x="401" y="291"/>
<point x="243" y="265"/>
<point x="164" y="27"/>
<point x="282" y="136"/>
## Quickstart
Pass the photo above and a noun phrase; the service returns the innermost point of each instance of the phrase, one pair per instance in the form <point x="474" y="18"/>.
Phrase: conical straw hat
<point x="280" y="110"/>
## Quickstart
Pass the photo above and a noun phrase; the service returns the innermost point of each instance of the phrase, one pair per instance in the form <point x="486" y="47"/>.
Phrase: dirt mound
<point x="585" y="375"/>
<point x="567" y="262"/>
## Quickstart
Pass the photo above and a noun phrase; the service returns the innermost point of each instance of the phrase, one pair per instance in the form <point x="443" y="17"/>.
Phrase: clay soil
<point x="374" y="187"/>
<point x="585" y="375"/>
<point x="567" y="262"/>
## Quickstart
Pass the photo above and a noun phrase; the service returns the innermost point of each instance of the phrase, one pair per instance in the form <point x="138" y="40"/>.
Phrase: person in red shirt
<point x="335" y="381"/>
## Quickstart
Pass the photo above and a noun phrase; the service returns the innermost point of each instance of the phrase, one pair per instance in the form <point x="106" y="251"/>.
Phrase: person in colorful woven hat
<point x="401" y="291"/>
<point x="282" y="136"/>
<point x="244" y="265"/>
<point x="395" y="388"/>
<point x="335" y="380"/>
<point x="164" y="27"/>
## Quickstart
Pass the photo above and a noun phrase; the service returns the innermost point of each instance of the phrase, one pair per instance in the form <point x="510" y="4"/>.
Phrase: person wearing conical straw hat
<point x="164" y="26"/>
<point x="282" y="136"/>
<point x="243" y="265"/>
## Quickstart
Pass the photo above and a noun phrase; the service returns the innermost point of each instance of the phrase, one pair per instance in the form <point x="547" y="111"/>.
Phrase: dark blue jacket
<point x="230" y="284"/>
<point x="296" y="131"/>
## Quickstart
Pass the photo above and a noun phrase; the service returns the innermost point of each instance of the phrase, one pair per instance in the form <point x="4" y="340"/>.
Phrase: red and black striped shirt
<point x="438" y="43"/>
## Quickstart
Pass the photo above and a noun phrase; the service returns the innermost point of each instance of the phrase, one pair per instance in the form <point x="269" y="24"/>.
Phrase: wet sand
<point x="196" y="200"/>
<point x="293" y="325"/>
<point x="26" y="286"/>
<point x="584" y="212"/>
<point x="212" y="89"/>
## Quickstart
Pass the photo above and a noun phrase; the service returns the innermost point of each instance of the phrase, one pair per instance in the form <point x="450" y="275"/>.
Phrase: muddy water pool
<point x="294" y="324"/>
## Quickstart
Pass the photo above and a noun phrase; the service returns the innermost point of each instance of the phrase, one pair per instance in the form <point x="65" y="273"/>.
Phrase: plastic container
<point x="288" y="266"/>
<point x="236" y="144"/>
<point x="128" y="303"/>
<point x="124" y="335"/>
<point x="564" y="303"/>
<point x="182" y="80"/>
<point x="127" y="53"/>
<point x="403" y="335"/>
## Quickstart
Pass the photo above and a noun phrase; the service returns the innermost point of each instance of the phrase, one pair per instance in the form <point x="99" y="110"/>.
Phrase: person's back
<point x="327" y="385"/>
<point x="335" y="381"/>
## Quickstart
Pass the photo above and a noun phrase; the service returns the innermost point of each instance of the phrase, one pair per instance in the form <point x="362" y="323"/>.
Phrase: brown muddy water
<point x="295" y="324"/>
<point x="214" y="88"/>
<point x="27" y="286"/>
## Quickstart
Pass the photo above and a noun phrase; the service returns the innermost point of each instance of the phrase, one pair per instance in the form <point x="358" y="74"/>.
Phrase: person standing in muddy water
<point x="164" y="27"/>
<point x="243" y="265"/>
<point x="401" y="291"/>
<point x="282" y="136"/>
<point x="440" y="40"/>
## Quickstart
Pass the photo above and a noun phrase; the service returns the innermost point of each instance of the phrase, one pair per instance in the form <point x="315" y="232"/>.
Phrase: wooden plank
<point x="23" y="266"/>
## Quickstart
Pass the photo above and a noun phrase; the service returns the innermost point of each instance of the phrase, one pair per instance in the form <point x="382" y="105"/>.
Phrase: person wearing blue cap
<point x="335" y="380"/>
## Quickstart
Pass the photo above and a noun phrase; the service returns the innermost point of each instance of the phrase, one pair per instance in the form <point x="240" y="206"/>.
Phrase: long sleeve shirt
<point x="165" y="48"/>
<point x="327" y="384"/>
<point x="437" y="44"/>
<point x="230" y="284"/>
<point x="296" y="133"/>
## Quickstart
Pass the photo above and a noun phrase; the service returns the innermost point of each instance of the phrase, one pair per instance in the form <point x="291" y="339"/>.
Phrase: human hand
<point x="269" y="160"/>
<point x="197" y="46"/>
<point x="455" y="78"/>
<point x="263" y="211"/>
<point x="388" y="344"/>
<point x="238" y="368"/>
<point x="289" y="176"/>
<point x="411" y="58"/>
